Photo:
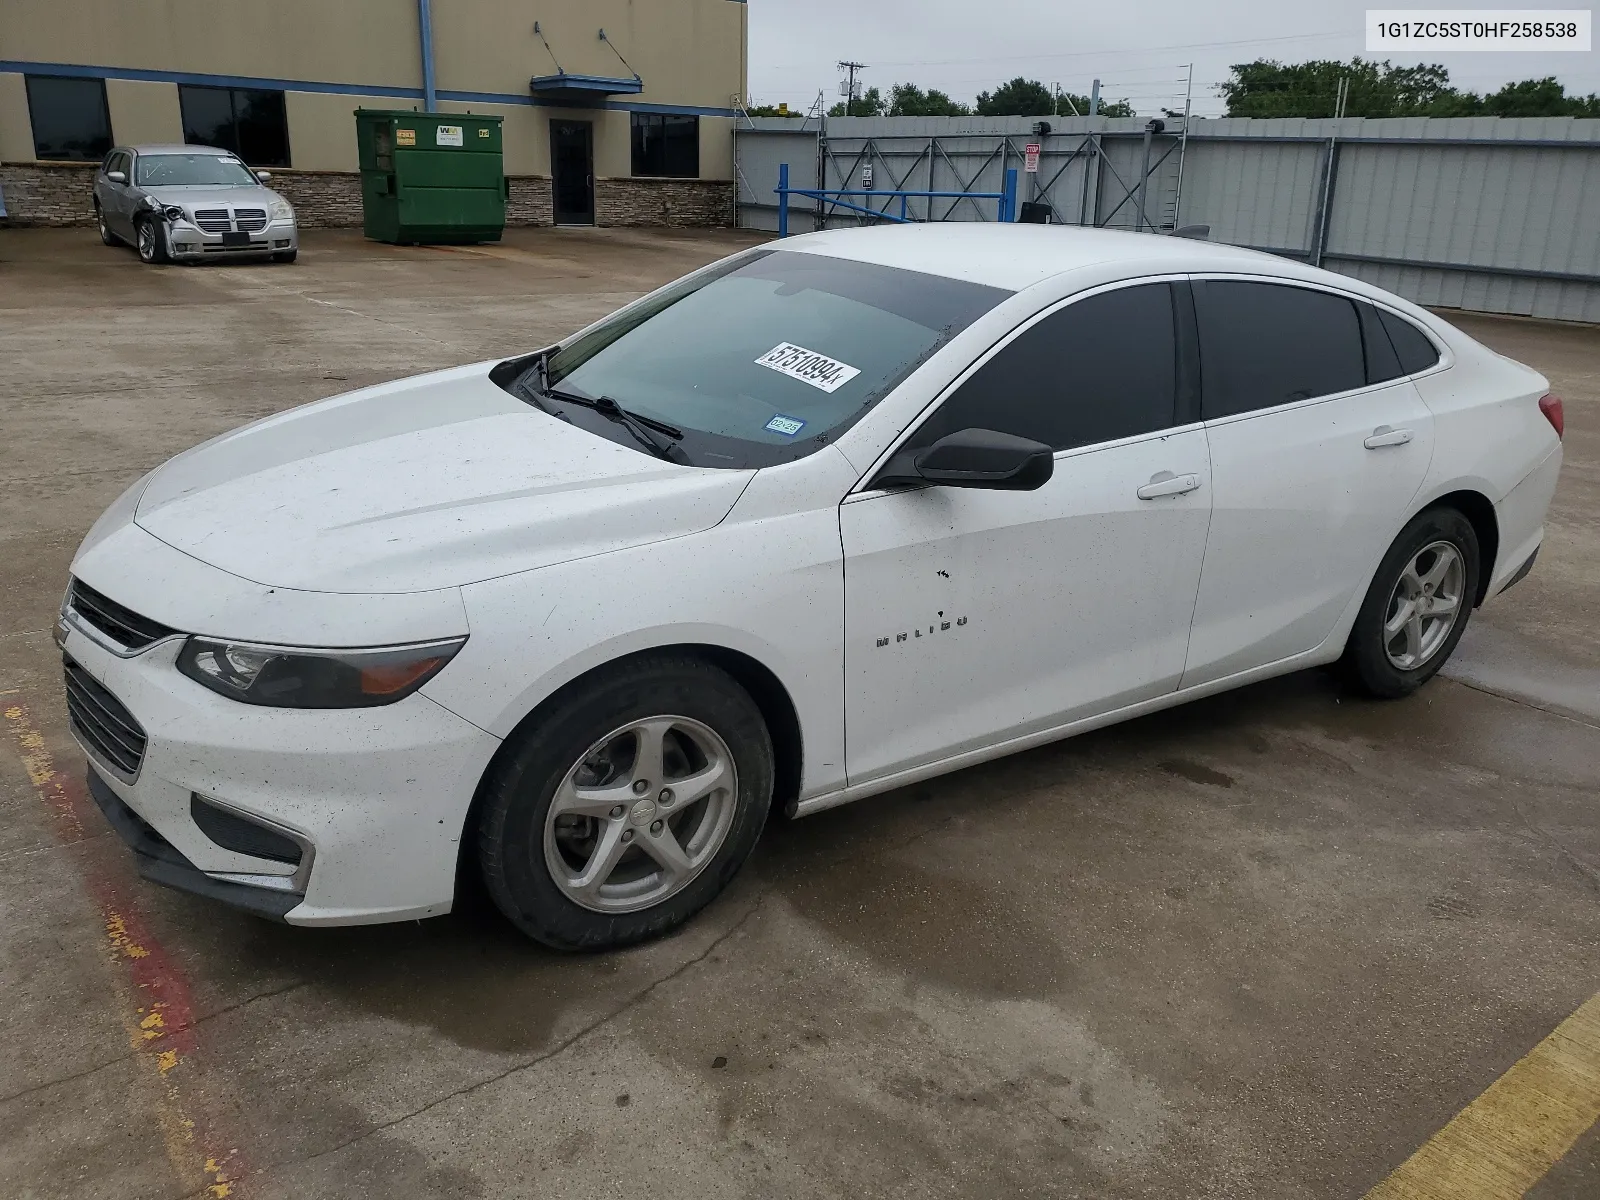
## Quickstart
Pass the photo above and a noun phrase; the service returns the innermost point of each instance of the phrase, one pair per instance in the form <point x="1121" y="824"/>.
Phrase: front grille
<point x="122" y="625"/>
<point x="250" y="220"/>
<point x="213" y="220"/>
<point x="102" y="721"/>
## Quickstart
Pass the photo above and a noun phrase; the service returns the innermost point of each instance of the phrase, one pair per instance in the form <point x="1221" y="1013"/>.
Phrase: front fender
<point x="770" y="588"/>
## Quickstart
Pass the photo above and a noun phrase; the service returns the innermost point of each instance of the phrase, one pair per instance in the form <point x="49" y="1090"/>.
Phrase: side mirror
<point x="977" y="458"/>
<point x="117" y="176"/>
<point x="263" y="175"/>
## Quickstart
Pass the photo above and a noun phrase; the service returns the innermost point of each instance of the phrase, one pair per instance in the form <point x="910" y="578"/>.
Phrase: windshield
<point x="767" y="357"/>
<point x="178" y="170"/>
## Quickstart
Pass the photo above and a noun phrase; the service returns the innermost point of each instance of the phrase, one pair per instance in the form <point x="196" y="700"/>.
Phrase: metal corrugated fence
<point x="1494" y="215"/>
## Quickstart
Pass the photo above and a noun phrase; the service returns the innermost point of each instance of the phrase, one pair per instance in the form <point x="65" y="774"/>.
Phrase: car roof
<point x="1016" y="256"/>
<point x="178" y="148"/>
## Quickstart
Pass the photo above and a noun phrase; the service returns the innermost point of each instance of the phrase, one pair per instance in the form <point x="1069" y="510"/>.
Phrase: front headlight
<point x="283" y="678"/>
<point x="281" y="210"/>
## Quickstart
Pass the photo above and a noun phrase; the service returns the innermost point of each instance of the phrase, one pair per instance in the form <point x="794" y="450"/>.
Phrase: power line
<point x="951" y="62"/>
<point x="850" y="89"/>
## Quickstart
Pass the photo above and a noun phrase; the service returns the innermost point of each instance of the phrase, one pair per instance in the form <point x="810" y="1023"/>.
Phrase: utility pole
<point x="850" y="87"/>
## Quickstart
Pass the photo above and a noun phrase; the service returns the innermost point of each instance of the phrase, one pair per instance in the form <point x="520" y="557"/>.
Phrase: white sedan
<point x="822" y="519"/>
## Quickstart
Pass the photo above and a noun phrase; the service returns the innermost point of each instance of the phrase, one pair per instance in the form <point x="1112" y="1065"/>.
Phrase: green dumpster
<point x="430" y="177"/>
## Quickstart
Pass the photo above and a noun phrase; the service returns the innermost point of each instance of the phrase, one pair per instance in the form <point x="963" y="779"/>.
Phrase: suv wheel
<point x="107" y="238"/>
<point x="152" y="240"/>
<point x="629" y="808"/>
<point x="1417" y="607"/>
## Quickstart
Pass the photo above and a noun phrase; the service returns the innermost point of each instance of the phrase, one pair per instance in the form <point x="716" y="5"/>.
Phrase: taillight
<point x="1550" y="406"/>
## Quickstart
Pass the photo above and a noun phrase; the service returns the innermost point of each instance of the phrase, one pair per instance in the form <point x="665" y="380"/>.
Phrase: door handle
<point x="1165" y="483"/>
<point x="1384" y="435"/>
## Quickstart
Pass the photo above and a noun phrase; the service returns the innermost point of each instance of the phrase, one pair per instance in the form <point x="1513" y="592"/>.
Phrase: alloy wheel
<point x="641" y="813"/>
<point x="147" y="240"/>
<point x="1424" y="605"/>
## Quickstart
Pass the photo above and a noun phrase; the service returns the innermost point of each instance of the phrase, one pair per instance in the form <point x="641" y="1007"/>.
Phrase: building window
<point x="248" y="121"/>
<point x="70" y="118"/>
<point x="666" y="145"/>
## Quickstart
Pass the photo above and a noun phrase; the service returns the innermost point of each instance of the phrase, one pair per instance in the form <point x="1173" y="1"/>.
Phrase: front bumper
<point x="377" y="796"/>
<point x="187" y="242"/>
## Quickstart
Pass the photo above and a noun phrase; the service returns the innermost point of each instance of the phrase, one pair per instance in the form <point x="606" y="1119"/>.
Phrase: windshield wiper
<point x="644" y="429"/>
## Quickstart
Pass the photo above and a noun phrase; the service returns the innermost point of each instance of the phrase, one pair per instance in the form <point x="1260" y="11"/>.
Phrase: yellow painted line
<point x="153" y="995"/>
<point x="1507" y="1139"/>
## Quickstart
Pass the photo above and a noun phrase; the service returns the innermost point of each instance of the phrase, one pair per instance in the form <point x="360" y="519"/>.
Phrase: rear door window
<point x="1097" y="370"/>
<point x="1414" y="348"/>
<point x="1266" y="344"/>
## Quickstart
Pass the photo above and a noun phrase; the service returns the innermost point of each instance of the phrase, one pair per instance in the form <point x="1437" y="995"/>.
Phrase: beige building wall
<point x="322" y="128"/>
<point x="354" y="41"/>
<point x="142" y="112"/>
<point x="16" y="134"/>
<point x="688" y="53"/>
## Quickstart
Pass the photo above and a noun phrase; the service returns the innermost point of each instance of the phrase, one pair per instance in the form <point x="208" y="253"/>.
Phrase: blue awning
<point x="584" y="87"/>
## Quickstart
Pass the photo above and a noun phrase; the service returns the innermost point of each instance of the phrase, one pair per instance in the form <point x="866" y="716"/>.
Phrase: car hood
<point x="431" y="482"/>
<point x="194" y="196"/>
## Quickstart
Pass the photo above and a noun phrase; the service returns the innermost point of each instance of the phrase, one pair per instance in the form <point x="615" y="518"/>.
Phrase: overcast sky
<point x="1140" y="49"/>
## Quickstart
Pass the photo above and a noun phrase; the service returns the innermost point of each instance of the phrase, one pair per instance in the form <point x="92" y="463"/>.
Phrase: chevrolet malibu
<point x="817" y="521"/>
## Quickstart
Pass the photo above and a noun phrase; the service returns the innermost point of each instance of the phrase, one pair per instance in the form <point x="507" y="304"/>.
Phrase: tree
<point x="1080" y="105"/>
<point x="870" y="105"/>
<point x="1019" y="98"/>
<point x="1539" y="98"/>
<point x="1265" y="88"/>
<point x="908" y="100"/>
<point x="770" y="110"/>
<point x="1030" y="98"/>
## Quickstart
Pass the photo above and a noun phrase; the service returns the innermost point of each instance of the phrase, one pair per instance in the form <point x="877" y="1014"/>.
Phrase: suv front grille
<point x="103" y="722"/>
<point x="122" y="625"/>
<point x="213" y="220"/>
<point x="250" y="220"/>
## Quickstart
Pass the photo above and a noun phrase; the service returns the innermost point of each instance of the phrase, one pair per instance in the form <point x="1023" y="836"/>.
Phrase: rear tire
<point x="151" y="241"/>
<point x="1417" y="607"/>
<point x="107" y="238"/>
<point x="582" y="841"/>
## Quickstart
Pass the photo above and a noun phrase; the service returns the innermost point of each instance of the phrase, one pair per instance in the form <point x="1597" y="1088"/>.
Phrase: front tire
<point x="152" y="241"/>
<point x="1417" y="607"/>
<point x="629" y="807"/>
<point x="284" y="256"/>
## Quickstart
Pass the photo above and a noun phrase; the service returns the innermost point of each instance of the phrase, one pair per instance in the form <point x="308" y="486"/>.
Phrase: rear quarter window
<point x="1414" y="348"/>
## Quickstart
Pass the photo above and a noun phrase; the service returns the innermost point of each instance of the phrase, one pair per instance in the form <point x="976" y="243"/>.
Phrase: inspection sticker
<point x="788" y="426"/>
<point x="448" y="135"/>
<point x="405" y="137"/>
<point x="821" y="372"/>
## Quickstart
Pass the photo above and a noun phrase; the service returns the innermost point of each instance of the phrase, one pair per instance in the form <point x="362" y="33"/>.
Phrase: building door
<point x="572" y="171"/>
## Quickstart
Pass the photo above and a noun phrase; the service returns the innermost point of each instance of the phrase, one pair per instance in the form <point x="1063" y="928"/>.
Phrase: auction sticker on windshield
<point x="821" y="372"/>
<point x="788" y="426"/>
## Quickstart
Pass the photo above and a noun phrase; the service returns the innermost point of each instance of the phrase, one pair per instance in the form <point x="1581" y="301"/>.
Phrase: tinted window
<point x="665" y="144"/>
<point x="1100" y="369"/>
<point x="250" y="122"/>
<point x="1415" y="349"/>
<point x="70" y="120"/>
<point x="1382" y="364"/>
<point x="1265" y="344"/>
<point x="765" y="358"/>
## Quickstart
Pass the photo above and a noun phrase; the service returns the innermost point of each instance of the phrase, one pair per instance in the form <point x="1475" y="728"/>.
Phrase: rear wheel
<point x="152" y="240"/>
<point x="1417" y="607"/>
<point x="107" y="238"/>
<point x="630" y="808"/>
